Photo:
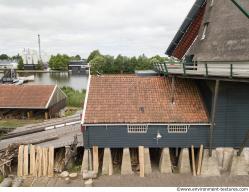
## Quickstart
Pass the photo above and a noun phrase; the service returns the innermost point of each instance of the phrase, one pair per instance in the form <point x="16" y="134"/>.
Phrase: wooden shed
<point x="25" y="101"/>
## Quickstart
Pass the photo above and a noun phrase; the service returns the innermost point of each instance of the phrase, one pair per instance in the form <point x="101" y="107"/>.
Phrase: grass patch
<point x="71" y="111"/>
<point x="14" y="123"/>
<point x="75" y="98"/>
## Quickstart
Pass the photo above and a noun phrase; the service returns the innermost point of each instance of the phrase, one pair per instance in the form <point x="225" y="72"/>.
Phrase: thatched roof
<point x="227" y="34"/>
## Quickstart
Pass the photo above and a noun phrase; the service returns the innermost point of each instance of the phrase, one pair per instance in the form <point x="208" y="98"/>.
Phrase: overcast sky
<point x="129" y="27"/>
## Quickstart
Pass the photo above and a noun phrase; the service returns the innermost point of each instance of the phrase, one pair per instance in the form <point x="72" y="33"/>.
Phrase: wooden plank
<point x="200" y="160"/>
<point x="141" y="160"/>
<point x="193" y="160"/>
<point x="110" y="164"/>
<point x="20" y="161"/>
<point x="51" y="161"/>
<point x="32" y="160"/>
<point x="95" y="159"/>
<point x="45" y="161"/>
<point x="26" y="160"/>
<point x="39" y="162"/>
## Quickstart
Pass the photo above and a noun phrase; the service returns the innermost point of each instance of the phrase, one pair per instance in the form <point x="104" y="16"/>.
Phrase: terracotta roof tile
<point x="25" y="96"/>
<point x="133" y="99"/>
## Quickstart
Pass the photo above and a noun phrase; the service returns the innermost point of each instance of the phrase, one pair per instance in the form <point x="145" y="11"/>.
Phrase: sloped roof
<point x="134" y="99"/>
<point x="227" y="34"/>
<point x="25" y="96"/>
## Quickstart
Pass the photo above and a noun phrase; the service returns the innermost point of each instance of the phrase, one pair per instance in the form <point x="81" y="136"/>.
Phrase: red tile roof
<point x="133" y="99"/>
<point x="25" y="96"/>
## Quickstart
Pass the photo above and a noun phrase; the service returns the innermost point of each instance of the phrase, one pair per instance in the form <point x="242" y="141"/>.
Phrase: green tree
<point x="59" y="62"/>
<point x="4" y="57"/>
<point x="20" y="64"/>
<point x="39" y="66"/>
<point x="98" y="64"/>
<point x="92" y="55"/>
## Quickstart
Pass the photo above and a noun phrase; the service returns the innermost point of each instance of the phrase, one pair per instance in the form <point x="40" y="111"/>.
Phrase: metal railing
<point x="220" y="70"/>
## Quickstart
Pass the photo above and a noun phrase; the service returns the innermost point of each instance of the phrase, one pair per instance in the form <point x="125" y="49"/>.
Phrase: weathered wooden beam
<point x="213" y="112"/>
<point x="193" y="160"/>
<point x="200" y="160"/>
<point x="141" y="160"/>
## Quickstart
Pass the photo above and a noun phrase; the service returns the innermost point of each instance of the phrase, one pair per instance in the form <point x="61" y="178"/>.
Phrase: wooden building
<point x="27" y="101"/>
<point x="129" y="111"/>
<point x="213" y="45"/>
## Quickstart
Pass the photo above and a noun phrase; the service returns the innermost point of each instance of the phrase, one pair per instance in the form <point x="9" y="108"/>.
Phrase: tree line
<point x="107" y="64"/>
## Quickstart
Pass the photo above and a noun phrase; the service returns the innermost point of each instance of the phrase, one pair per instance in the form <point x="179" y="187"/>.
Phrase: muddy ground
<point x="156" y="179"/>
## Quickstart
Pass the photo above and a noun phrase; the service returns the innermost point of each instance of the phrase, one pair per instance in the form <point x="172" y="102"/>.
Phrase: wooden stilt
<point x="141" y="160"/>
<point x="193" y="160"/>
<point x="200" y="160"/>
<point x="51" y="161"/>
<point x="32" y="160"/>
<point x="95" y="159"/>
<point x="26" y="160"/>
<point x="20" y="161"/>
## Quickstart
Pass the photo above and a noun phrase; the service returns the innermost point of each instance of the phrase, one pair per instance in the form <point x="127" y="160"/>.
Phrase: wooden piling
<point x="141" y="160"/>
<point x="200" y="160"/>
<point x="20" y="161"/>
<point x="95" y="159"/>
<point x="39" y="161"/>
<point x="26" y="160"/>
<point x="193" y="160"/>
<point x="51" y="162"/>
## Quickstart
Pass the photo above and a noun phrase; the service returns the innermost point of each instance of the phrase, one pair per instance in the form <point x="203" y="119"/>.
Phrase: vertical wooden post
<point x="141" y="160"/>
<point x="45" y="161"/>
<point x="20" y="161"/>
<point x="46" y="115"/>
<point x="39" y="161"/>
<point x="95" y="159"/>
<point x="216" y="91"/>
<point x="32" y="160"/>
<point x="193" y="160"/>
<point x="200" y="160"/>
<point x="51" y="161"/>
<point x="26" y="160"/>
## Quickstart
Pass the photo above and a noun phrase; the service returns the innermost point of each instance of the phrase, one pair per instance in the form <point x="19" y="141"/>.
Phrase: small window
<point x="204" y="32"/>
<point x="178" y="128"/>
<point x="137" y="128"/>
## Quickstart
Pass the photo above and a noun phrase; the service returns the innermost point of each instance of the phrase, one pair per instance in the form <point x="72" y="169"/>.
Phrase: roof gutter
<point x="150" y="124"/>
<point x="184" y="27"/>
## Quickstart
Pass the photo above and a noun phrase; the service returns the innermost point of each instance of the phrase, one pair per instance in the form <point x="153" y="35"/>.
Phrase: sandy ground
<point x="156" y="179"/>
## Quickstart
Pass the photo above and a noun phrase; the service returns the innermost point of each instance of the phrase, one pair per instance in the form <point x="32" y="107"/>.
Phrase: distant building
<point x="78" y="66"/>
<point x="31" y="57"/>
<point x="8" y="64"/>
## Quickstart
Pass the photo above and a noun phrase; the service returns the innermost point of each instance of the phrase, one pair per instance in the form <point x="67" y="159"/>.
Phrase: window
<point x="137" y="128"/>
<point x="204" y="32"/>
<point x="178" y="128"/>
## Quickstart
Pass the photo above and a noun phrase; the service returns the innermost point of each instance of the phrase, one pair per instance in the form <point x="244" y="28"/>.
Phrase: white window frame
<point x="141" y="129"/>
<point x="204" y="31"/>
<point x="178" y="128"/>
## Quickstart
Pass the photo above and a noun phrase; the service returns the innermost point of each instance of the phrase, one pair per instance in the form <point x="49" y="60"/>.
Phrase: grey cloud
<point x="129" y="27"/>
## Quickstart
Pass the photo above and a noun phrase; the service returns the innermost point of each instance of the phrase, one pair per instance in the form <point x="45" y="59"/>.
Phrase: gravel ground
<point x="156" y="179"/>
